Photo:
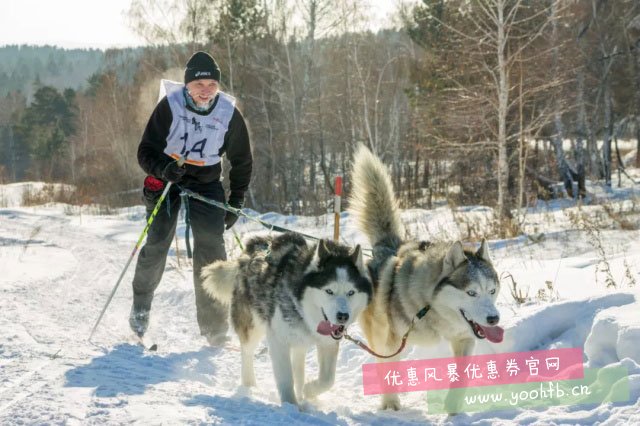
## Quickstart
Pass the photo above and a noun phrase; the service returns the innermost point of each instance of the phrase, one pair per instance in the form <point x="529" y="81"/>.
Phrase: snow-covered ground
<point x="59" y="264"/>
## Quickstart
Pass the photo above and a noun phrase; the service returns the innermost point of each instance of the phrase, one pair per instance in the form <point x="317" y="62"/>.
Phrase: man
<point x="198" y="122"/>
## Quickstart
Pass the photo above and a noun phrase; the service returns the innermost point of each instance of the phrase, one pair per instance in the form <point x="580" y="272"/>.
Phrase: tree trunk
<point x="503" y="102"/>
<point x="633" y="29"/>
<point x="12" y="152"/>
<point x="416" y="177"/>
<point x="608" y="125"/>
<point x="582" y="134"/>
<point x="563" y="166"/>
<point x="522" y="146"/>
<point x="636" y="54"/>
<point x="558" y="138"/>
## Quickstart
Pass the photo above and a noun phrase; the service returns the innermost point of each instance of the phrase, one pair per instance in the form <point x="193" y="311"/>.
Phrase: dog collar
<point x="422" y="312"/>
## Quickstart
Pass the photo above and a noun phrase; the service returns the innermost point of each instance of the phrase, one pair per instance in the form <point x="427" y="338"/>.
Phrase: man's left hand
<point x="231" y="218"/>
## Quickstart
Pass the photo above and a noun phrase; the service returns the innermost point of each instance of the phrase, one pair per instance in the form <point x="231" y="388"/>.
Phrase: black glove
<point x="231" y="218"/>
<point x="173" y="173"/>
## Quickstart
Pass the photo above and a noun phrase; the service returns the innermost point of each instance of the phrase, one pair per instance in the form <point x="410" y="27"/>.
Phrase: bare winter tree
<point x="106" y="143"/>
<point x="604" y="37"/>
<point x="567" y="174"/>
<point x="491" y="39"/>
<point x="175" y="24"/>
<point x="633" y="29"/>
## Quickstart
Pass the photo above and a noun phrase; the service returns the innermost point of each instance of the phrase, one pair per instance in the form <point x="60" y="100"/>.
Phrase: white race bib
<point x="202" y="136"/>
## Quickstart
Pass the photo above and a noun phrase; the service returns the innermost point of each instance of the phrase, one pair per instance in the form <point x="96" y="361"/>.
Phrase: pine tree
<point x="45" y="128"/>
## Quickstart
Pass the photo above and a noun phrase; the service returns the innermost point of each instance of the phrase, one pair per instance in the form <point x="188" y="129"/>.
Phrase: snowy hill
<point x="59" y="265"/>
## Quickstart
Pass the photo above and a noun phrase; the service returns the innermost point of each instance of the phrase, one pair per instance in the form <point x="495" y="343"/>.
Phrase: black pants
<point x="207" y="224"/>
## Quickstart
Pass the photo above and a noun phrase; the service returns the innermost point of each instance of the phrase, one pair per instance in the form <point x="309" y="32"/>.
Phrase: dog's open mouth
<point x="493" y="334"/>
<point x="327" y="328"/>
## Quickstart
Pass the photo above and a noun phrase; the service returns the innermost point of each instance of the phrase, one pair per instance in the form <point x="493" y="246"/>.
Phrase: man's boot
<point x="139" y="319"/>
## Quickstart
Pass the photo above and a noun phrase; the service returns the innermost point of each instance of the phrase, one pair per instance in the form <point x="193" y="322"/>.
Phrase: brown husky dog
<point x="459" y="288"/>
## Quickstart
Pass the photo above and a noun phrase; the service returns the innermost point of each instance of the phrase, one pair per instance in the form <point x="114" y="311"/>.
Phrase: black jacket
<point x="236" y="147"/>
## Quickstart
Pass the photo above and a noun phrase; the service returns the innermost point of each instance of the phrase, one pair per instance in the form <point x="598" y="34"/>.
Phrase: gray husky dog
<point x="458" y="288"/>
<point x="298" y="296"/>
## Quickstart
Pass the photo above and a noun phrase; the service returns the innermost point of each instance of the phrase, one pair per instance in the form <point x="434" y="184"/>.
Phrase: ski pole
<point x="180" y="162"/>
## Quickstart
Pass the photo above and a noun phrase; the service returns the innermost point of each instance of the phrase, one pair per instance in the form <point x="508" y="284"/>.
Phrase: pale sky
<point x="66" y="23"/>
<point x="84" y="23"/>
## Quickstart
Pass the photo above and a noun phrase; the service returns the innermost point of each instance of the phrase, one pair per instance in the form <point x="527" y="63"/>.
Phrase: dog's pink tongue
<point x="493" y="334"/>
<point x="326" y="328"/>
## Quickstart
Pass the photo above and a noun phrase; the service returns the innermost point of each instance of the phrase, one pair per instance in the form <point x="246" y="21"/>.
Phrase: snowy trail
<point x="52" y="310"/>
<point x="51" y="364"/>
<point x="61" y="268"/>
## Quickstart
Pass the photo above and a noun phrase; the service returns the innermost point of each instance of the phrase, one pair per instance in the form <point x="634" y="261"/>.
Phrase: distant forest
<point x="491" y="102"/>
<point x="24" y="68"/>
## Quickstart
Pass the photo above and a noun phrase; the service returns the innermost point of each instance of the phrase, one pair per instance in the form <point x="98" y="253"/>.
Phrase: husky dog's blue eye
<point x="351" y="293"/>
<point x="472" y="293"/>
<point x="330" y="292"/>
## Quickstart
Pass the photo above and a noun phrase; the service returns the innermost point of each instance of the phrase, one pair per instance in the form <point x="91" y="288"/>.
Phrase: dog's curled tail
<point x="219" y="279"/>
<point x="372" y="200"/>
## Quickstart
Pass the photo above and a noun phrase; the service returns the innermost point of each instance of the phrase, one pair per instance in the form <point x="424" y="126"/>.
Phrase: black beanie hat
<point x="201" y="65"/>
